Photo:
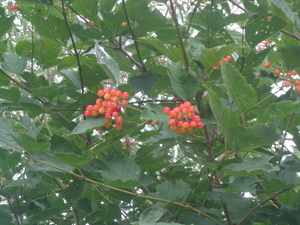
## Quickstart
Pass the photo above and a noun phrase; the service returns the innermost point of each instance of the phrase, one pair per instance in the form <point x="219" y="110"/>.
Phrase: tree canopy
<point x="139" y="112"/>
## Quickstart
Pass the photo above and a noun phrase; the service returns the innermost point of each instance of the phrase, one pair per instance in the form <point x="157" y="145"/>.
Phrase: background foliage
<point x="241" y="168"/>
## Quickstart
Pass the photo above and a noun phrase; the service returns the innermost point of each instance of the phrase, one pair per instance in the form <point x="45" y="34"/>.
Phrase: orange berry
<point x="87" y="113"/>
<point x="125" y="95"/>
<point x="95" y="113"/>
<point x="124" y="102"/>
<point x="289" y="74"/>
<point x="106" y="90"/>
<point x="90" y="108"/>
<point x="101" y="110"/>
<point x="196" y="118"/>
<point x="287" y="83"/>
<point x="118" y="126"/>
<point x="100" y="93"/>
<point x="119" y="119"/>
<point x="297" y="89"/>
<point x="107" y="96"/>
<point x="296" y="82"/>
<point x="108" y="124"/>
<point x="166" y="110"/>
<point x="199" y="125"/>
<point x="123" y="24"/>
<point x="277" y="72"/>
<point x="172" y="121"/>
<point x="294" y="72"/>
<point x="187" y="104"/>
<point x="91" y="23"/>
<point x="99" y="101"/>
<point x="267" y="65"/>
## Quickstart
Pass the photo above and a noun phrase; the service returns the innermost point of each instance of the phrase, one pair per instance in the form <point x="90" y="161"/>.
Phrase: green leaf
<point x="42" y="215"/>
<point x="31" y="145"/>
<point x="60" y="144"/>
<point x="242" y="184"/>
<point x="52" y="28"/>
<point x="283" y="10"/>
<point x="260" y="28"/>
<point x="88" y="125"/>
<point x="243" y="95"/>
<point x="88" y="9"/>
<point x="31" y="182"/>
<point x="290" y="214"/>
<point x="224" y="115"/>
<point x="13" y="94"/>
<point x="185" y="84"/>
<point x="12" y="63"/>
<point x="178" y="191"/>
<point x="153" y="112"/>
<point x="291" y="56"/>
<point x="5" y="23"/>
<point x="279" y="110"/>
<point x="160" y="48"/>
<point x="121" y="169"/>
<point x="72" y="159"/>
<point x="108" y="64"/>
<point x="45" y="50"/>
<point x="209" y="57"/>
<point x="144" y="82"/>
<point x="250" y="166"/>
<point x="247" y="139"/>
<point x="152" y="214"/>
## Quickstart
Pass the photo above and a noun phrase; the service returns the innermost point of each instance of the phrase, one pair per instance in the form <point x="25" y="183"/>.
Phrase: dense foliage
<point x="64" y="162"/>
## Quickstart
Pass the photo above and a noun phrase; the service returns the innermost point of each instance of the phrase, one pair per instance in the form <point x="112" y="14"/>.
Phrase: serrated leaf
<point x="72" y="159"/>
<point x="88" y="125"/>
<point x="242" y="184"/>
<point x="31" y="145"/>
<point x="152" y="214"/>
<point x="225" y="116"/>
<point x="12" y="94"/>
<point x="243" y="95"/>
<point x="291" y="56"/>
<point x="12" y="63"/>
<point x="153" y="112"/>
<point x="247" y="139"/>
<point x="279" y="110"/>
<point x="210" y="57"/>
<point x="260" y="28"/>
<point x="283" y="10"/>
<point x="144" y="82"/>
<point x="121" y="169"/>
<point x="108" y="64"/>
<point x="250" y="166"/>
<point x="31" y="182"/>
<point x="172" y="192"/>
<point x="5" y="23"/>
<point x="185" y="84"/>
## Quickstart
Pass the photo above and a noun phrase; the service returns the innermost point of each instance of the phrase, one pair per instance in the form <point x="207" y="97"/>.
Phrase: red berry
<point x="114" y="99"/>
<point x="154" y="123"/>
<point x="218" y="63"/>
<point x="14" y="7"/>
<point x="187" y="104"/>
<point x="100" y="93"/>
<point x="118" y="126"/>
<point x="125" y="95"/>
<point x="94" y="113"/>
<point x="193" y="124"/>
<point x="118" y="108"/>
<point x="115" y="114"/>
<point x="166" y="110"/>
<point x="124" y="102"/>
<point x="119" y="119"/>
<point x="3" y="179"/>
<point x="90" y="108"/>
<point x="101" y="110"/>
<point x="289" y="74"/>
<point x="87" y="113"/>
<point x="277" y="72"/>
<point x="107" y="115"/>
<point x="113" y="92"/>
<point x="106" y="96"/>
<point x="119" y="93"/>
<point x="185" y="124"/>
<point x="228" y="58"/>
<point x="172" y="121"/>
<point x="297" y="89"/>
<point x="67" y="186"/>
<point x="109" y="110"/>
<point x="199" y="125"/>
<point x="287" y="83"/>
<point x="197" y="118"/>
<point x="185" y="111"/>
<point x="99" y="101"/>
<point x="106" y="90"/>
<point x="296" y="82"/>
<point x="172" y="113"/>
<point x="267" y="65"/>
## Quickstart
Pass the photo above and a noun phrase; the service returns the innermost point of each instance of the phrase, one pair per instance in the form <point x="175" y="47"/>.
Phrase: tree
<point x="200" y="123"/>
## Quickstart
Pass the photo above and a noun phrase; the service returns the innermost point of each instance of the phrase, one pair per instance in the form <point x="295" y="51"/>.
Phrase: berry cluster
<point x="226" y="59"/>
<point x="109" y="106"/>
<point x="182" y="118"/>
<point x="289" y="77"/>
